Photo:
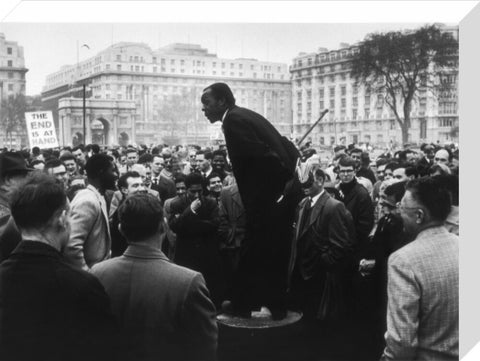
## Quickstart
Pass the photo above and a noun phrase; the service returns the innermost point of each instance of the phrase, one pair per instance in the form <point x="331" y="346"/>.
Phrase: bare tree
<point x="399" y="64"/>
<point x="12" y="115"/>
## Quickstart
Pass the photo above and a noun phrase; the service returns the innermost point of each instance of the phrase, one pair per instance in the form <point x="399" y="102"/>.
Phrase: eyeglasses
<point x="345" y="171"/>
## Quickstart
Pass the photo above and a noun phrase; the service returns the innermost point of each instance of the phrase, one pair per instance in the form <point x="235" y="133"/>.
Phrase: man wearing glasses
<point x="422" y="314"/>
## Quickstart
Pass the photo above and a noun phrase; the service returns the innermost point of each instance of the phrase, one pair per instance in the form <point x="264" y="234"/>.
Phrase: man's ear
<point x="120" y="230"/>
<point x="124" y="190"/>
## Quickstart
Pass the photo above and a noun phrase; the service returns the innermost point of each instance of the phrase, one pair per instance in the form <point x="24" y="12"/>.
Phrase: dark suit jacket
<point x="197" y="242"/>
<point x="326" y="241"/>
<point x="50" y="311"/>
<point x="263" y="163"/>
<point x="359" y="204"/>
<point x="321" y="251"/>
<point x="165" y="187"/>
<point x="164" y="310"/>
<point x="255" y="149"/>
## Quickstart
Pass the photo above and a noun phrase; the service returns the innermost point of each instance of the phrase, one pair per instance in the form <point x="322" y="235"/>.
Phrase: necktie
<point x="155" y="181"/>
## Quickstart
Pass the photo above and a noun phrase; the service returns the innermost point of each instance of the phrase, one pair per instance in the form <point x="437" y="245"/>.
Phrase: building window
<point x="344" y="103"/>
<point x="10" y="75"/>
<point x="137" y="68"/>
<point x="154" y="60"/>
<point x="119" y="96"/>
<point x="332" y="104"/>
<point x="343" y="90"/>
<point x="10" y="63"/>
<point x="119" y="67"/>
<point x="10" y="87"/>
<point x="322" y="104"/>
<point x="332" y="91"/>
<point x="154" y="69"/>
<point x="107" y="66"/>
<point x="354" y="114"/>
<point x="9" y="51"/>
<point x="119" y="57"/>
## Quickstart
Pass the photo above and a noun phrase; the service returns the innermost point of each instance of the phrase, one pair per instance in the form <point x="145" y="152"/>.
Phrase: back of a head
<point x="193" y="178"/>
<point x="433" y="195"/>
<point x="396" y="190"/>
<point x="52" y="163"/>
<point x="222" y="91"/>
<point x="140" y="216"/>
<point x="37" y="200"/>
<point x="97" y="164"/>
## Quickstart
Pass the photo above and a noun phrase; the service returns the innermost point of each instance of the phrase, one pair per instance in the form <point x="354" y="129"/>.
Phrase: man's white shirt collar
<point x="315" y="199"/>
<point x="224" y="115"/>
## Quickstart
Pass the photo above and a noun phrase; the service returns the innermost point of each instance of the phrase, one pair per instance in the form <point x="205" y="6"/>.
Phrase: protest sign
<point x="41" y="129"/>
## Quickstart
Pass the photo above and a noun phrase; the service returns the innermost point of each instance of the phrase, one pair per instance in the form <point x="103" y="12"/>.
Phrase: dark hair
<point x="95" y="148"/>
<point x="122" y="181"/>
<point x="219" y="152"/>
<point x="145" y="158"/>
<point x="347" y="162"/>
<point x="433" y="195"/>
<point x="319" y="173"/>
<point x="222" y="91"/>
<point x="339" y="148"/>
<point x="450" y="182"/>
<point x="68" y="156"/>
<point x="392" y="166"/>
<point x="97" y="164"/>
<point x="131" y="150"/>
<point x="381" y="161"/>
<point x="213" y="175"/>
<point x="140" y="216"/>
<point x="411" y="170"/>
<point x="52" y="163"/>
<point x="36" y="151"/>
<point x="35" y="162"/>
<point x="206" y="153"/>
<point x="194" y="178"/>
<point x="179" y="178"/>
<point x="397" y="190"/>
<point x="80" y="146"/>
<point x="355" y="150"/>
<point x="34" y="203"/>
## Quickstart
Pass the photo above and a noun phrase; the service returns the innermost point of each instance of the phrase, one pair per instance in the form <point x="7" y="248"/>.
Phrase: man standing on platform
<point x="263" y="163"/>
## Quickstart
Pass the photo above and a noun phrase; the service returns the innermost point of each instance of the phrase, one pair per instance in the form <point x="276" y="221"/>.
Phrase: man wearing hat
<point x="13" y="170"/>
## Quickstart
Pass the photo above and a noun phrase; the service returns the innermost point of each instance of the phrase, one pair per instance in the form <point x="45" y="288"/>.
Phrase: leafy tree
<point x="399" y="64"/>
<point x="12" y="115"/>
<point x="177" y="114"/>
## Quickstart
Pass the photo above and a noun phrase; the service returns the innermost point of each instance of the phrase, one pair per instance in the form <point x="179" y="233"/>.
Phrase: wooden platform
<point x="260" y="320"/>
<point x="258" y="338"/>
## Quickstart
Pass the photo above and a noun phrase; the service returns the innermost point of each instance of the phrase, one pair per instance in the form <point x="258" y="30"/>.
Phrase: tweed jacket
<point x="164" y="310"/>
<point x="90" y="232"/>
<point x="422" y="314"/>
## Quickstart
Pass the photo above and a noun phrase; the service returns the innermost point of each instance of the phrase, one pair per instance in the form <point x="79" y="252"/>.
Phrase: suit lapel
<point x="316" y="211"/>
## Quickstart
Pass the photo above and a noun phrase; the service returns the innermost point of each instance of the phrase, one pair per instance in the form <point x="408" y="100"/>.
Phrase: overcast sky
<point x="48" y="46"/>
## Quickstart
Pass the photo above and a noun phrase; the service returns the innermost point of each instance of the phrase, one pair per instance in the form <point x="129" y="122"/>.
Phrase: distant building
<point x="165" y="86"/>
<point x="321" y="80"/>
<point x="12" y="83"/>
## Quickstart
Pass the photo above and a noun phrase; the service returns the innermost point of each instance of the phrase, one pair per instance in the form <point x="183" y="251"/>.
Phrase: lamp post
<point x="84" y="115"/>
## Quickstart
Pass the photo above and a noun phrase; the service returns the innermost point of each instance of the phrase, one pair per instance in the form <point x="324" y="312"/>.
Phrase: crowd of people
<point x="161" y="231"/>
<point x="130" y="253"/>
